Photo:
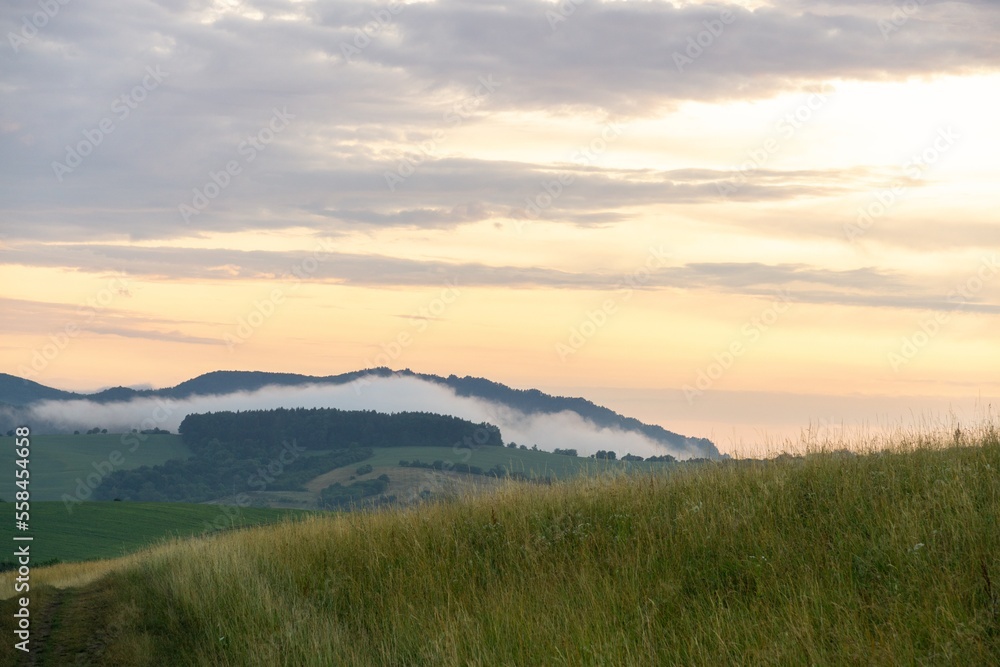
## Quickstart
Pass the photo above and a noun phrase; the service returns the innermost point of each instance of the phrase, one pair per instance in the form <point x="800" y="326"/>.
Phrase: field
<point x="407" y="483"/>
<point x="108" y="530"/>
<point x="60" y="462"/>
<point x="885" y="558"/>
<point x="532" y="463"/>
<point x="71" y="465"/>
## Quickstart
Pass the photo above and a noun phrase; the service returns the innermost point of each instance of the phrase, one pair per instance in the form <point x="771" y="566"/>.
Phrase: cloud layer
<point x="565" y="430"/>
<point x="225" y="68"/>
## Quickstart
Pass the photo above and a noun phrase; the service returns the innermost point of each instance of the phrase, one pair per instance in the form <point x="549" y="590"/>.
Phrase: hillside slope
<point x="890" y="558"/>
<point x="15" y="391"/>
<point x="72" y="465"/>
<point x="109" y="530"/>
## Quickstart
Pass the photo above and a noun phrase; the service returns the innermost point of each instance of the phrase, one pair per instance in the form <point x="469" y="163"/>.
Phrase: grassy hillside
<point x="407" y="485"/>
<point x="73" y="464"/>
<point x="108" y="530"/>
<point x="60" y="462"/>
<point x="890" y="558"/>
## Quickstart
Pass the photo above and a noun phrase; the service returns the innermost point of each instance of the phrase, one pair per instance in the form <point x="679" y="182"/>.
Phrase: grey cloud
<point x="425" y="217"/>
<point x="353" y="120"/>
<point x="862" y="286"/>
<point x="172" y="336"/>
<point x="936" y="302"/>
<point x="619" y="56"/>
<point x="753" y="274"/>
<point x="442" y="194"/>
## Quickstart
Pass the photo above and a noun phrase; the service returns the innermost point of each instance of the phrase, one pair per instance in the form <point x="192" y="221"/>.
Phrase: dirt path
<point x="42" y="630"/>
<point x="71" y="627"/>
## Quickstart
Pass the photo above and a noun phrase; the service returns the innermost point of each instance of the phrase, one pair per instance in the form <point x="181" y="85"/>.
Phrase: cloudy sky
<point x="717" y="217"/>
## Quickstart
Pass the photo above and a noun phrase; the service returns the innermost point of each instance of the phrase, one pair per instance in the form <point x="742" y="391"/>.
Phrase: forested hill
<point x="233" y="452"/>
<point x="532" y="401"/>
<point x="17" y="392"/>
<point x="330" y="428"/>
<point x="21" y="391"/>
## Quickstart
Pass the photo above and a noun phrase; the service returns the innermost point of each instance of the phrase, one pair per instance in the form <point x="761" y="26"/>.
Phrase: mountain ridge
<point x="17" y="392"/>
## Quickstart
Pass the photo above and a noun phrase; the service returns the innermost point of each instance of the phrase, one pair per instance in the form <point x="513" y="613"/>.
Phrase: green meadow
<point x="108" y="530"/>
<point x="59" y="463"/>
<point x="888" y="557"/>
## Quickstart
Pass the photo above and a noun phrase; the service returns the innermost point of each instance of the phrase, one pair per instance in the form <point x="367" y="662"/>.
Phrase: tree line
<point x="280" y="450"/>
<point x="330" y="428"/>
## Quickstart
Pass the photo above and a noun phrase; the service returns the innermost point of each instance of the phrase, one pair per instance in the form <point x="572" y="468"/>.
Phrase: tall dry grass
<point x="890" y="557"/>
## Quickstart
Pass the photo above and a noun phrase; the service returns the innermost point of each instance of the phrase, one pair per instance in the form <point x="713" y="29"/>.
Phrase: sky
<point x="734" y="220"/>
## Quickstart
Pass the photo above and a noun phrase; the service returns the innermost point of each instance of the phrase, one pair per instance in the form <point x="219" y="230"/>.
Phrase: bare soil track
<point x="69" y="627"/>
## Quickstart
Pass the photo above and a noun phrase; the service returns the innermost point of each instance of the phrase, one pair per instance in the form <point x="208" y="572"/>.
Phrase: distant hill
<point x="18" y="391"/>
<point x="281" y="449"/>
<point x="535" y="401"/>
<point x="15" y="391"/>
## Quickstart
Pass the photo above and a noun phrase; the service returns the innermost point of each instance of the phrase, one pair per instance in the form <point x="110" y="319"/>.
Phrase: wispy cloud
<point x="868" y="287"/>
